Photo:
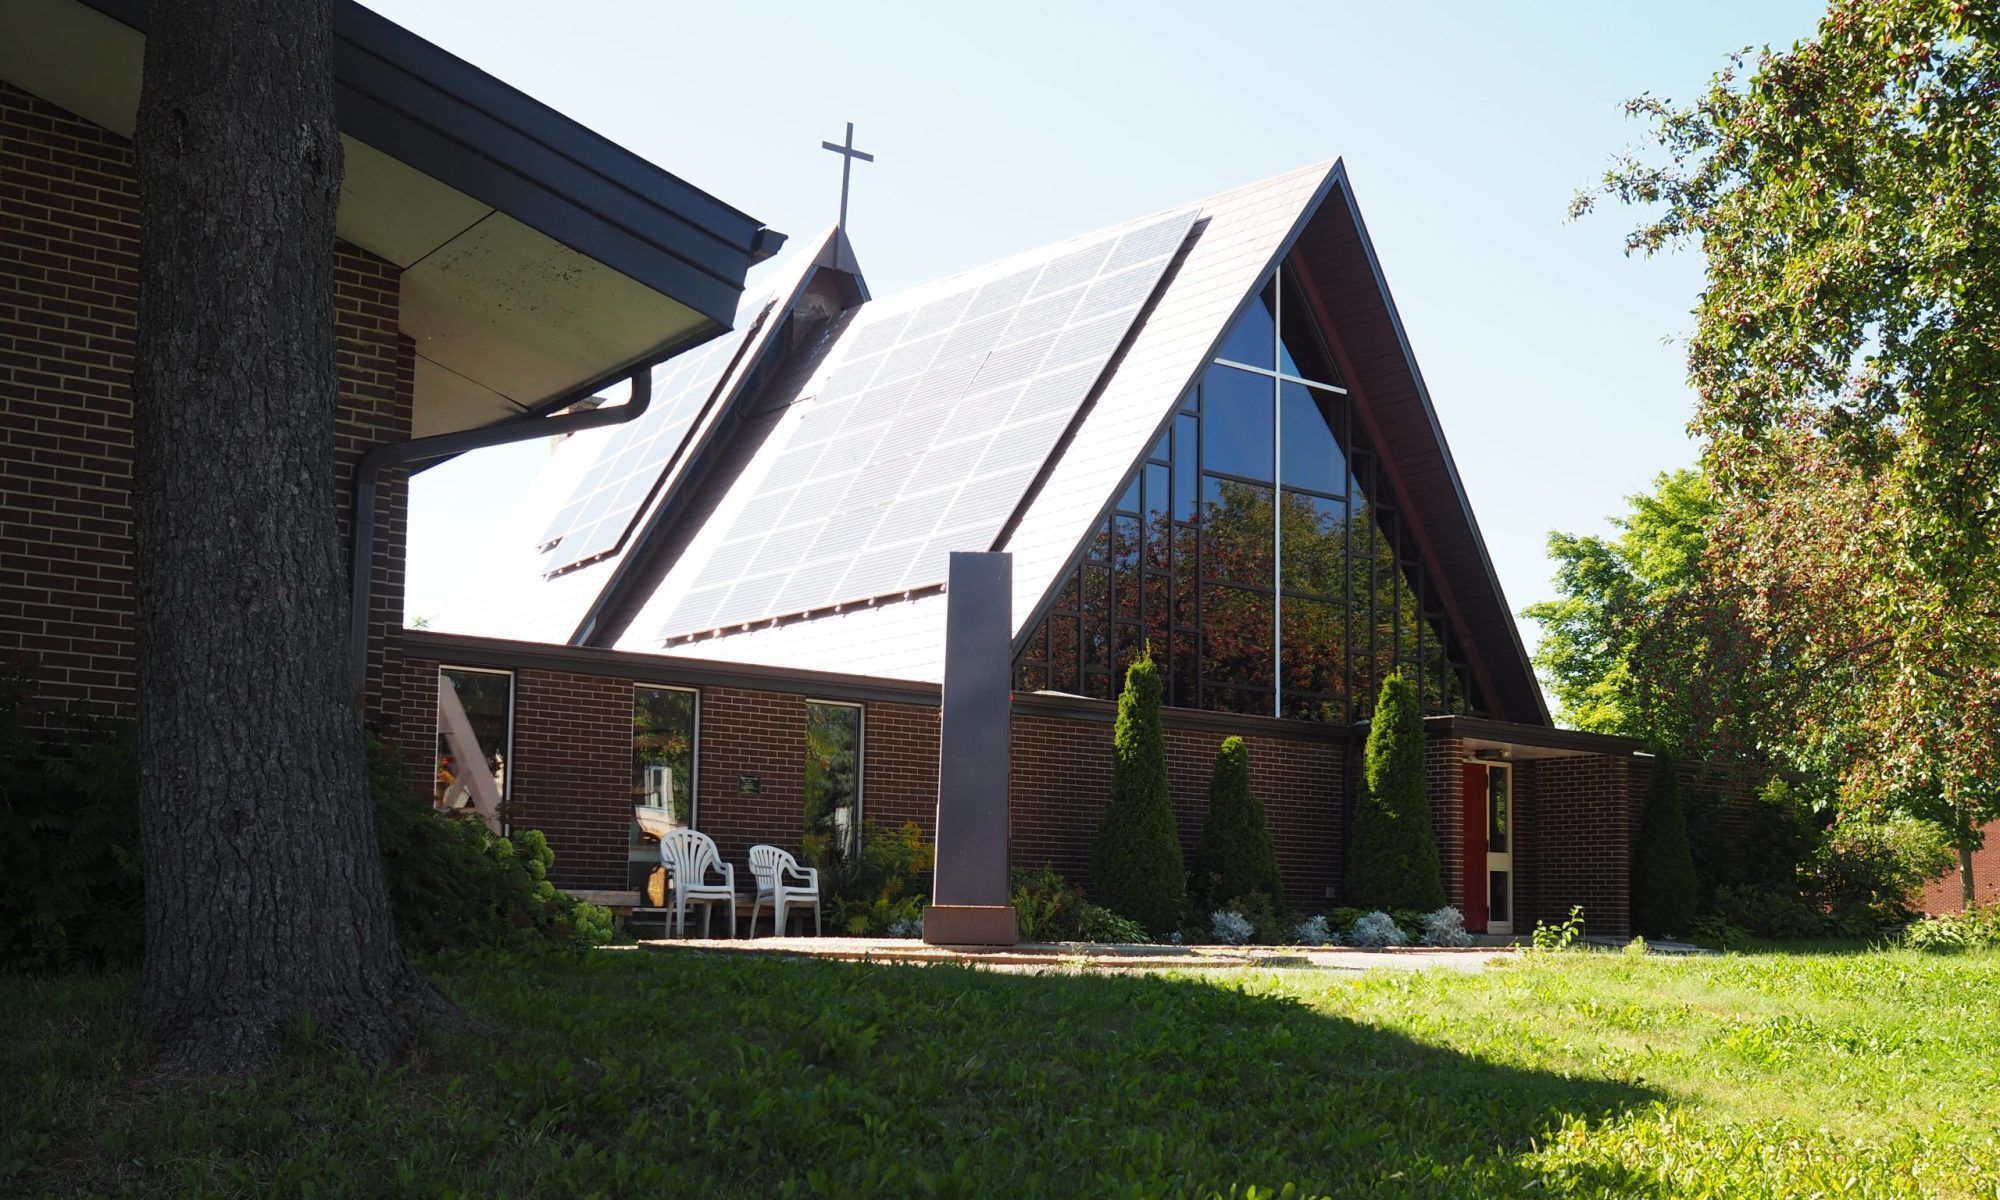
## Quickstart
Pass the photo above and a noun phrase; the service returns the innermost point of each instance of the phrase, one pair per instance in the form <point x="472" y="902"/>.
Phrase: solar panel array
<point x="595" y="519"/>
<point x="926" y="433"/>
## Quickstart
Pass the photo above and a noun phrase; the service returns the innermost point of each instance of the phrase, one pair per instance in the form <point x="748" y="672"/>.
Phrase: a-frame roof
<point x="1235" y="240"/>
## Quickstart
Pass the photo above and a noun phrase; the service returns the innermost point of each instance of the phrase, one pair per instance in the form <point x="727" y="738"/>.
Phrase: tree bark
<point x="265" y="903"/>
<point x="1965" y="889"/>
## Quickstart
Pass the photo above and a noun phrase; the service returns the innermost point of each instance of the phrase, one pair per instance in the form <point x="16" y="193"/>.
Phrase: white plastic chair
<point x="689" y="856"/>
<point x="782" y="883"/>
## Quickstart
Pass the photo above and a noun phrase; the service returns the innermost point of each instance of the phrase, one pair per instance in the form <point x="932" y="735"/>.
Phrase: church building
<point x="1202" y="431"/>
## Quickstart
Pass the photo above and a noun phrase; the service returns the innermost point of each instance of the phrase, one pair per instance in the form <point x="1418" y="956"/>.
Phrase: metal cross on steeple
<point x="847" y="156"/>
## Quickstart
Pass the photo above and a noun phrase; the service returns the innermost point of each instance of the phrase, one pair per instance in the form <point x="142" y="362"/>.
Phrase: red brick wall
<point x="572" y="765"/>
<point x="1945" y="893"/>
<point x="1443" y="760"/>
<point x="1582" y="842"/>
<point x="1060" y="781"/>
<point x="68" y="294"/>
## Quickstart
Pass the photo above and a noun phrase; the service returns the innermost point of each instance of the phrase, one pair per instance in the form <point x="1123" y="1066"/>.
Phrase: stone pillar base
<point x="969" y="925"/>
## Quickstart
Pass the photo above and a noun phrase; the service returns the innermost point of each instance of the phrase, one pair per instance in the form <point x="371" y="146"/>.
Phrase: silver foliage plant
<point x="1446" y="927"/>
<point x="1313" y="931"/>
<point x="1375" y="930"/>
<point x="1230" y="928"/>
<point x="906" y="927"/>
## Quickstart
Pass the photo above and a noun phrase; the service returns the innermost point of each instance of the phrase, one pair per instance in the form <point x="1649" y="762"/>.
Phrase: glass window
<point x="487" y="701"/>
<point x="1236" y="426"/>
<point x="1499" y="814"/>
<point x="1253" y="339"/>
<point x="1312" y="459"/>
<point x="1315" y="544"/>
<point x="1236" y="532"/>
<point x="1301" y="352"/>
<point x="832" y="781"/>
<point x="663" y="767"/>
<point x="1237" y="645"/>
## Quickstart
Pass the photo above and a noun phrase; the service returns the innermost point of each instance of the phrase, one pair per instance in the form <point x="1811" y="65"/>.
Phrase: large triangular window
<point x="1251" y="552"/>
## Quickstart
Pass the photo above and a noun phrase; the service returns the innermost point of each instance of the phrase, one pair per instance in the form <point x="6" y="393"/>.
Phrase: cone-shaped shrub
<point x="1235" y="857"/>
<point x="1392" y="857"/>
<point x="1137" y="871"/>
<point x="1664" y="887"/>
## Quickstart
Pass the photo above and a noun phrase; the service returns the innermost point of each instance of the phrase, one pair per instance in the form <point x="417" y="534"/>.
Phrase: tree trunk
<point x="1965" y="874"/>
<point x="264" y="894"/>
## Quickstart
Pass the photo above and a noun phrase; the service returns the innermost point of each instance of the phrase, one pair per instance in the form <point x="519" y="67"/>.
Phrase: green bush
<point x="1977" y="928"/>
<point x="1137" y="870"/>
<point x="1235" y="857"/>
<point x="72" y="897"/>
<point x="885" y="884"/>
<point x="1392" y="858"/>
<point x="1768" y="912"/>
<point x="1869" y="866"/>
<point x="1048" y="908"/>
<point x="1664" y="889"/>
<point x="453" y="885"/>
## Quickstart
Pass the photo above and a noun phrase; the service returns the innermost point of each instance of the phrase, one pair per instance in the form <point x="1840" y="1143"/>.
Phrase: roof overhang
<point x="1509" y="741"/>
<point x="1344" y="279"/>
<point x="537" y="257"/>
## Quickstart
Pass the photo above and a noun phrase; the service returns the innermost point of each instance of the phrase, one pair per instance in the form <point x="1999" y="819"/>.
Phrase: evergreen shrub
<point x="1235" y="857"/>
<point x="1664" y="887"/>
<point x="1393" y="856"/>
<point x="1137" y="870"/>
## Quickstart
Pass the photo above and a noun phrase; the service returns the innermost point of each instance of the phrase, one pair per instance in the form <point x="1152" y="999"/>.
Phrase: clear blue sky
<point x="1553" y="360"/>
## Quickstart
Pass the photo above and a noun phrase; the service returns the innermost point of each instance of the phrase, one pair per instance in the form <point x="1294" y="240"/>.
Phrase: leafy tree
<point x="264" y="893"/>
<point x="1392" y="857"/>
<point x="1664" y="888"/>
<point x="1841" y="193"/>
<point x="1137" y="870"/>
<point x="1235" y="858"/>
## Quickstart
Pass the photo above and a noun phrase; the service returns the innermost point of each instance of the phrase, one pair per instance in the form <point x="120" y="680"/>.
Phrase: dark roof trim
<point x="659" y="668"/>
<point x="438" y="113"/>
<point x="1543" y="736"/>
<point x="1423" y="394"/>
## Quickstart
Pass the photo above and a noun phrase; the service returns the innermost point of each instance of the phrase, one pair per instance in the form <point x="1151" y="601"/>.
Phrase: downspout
<point x="400" y="454"/>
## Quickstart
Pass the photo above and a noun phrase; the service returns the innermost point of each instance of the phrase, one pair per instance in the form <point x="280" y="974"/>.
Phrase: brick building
<point x="1202" y="430"/>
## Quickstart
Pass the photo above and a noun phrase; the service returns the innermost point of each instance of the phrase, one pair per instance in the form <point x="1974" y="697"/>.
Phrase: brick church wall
<point x="572" y="774"/>
<point x="1581" y="842"/>
<point x="69" y="261"/>
<point x="1060" y="782"/>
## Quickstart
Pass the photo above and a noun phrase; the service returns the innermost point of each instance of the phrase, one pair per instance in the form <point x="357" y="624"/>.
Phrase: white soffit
<point x="512" y="316"/>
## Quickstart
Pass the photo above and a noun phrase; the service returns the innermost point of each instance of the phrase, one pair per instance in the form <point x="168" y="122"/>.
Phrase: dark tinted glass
<point x="1236" y="531"/>
<point x="1312" y="459"/>
<point x="1236" y="644"/>
<point x="1252" y="340"/>
<point x="1314" y="545"/>
<point x="1301" y="352"/>
<point x="1236" y="423"/>
<point x="832" y="782"/>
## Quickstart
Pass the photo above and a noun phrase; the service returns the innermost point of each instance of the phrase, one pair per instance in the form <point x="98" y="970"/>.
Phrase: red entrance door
<point x="1473" y="807"/>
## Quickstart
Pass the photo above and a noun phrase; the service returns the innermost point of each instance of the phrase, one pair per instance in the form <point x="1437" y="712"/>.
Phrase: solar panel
<point x="599" y="513"/>
<point x="926" y="433"/>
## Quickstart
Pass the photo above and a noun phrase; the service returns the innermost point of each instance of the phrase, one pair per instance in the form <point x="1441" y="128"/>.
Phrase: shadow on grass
<point x="689" y="1074"/>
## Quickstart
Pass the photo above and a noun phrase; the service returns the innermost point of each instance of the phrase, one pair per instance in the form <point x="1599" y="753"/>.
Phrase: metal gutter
<point x="368" y="473"/>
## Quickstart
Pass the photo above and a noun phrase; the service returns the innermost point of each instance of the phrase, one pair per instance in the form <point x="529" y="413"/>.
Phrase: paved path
<point x="1097" y="956"/>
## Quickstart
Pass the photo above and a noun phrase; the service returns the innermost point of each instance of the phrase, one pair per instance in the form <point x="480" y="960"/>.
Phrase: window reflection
<point x="1297" y="598"/>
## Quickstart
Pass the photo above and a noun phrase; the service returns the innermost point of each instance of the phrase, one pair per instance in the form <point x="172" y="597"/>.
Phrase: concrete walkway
<point x="1045" y="956"/>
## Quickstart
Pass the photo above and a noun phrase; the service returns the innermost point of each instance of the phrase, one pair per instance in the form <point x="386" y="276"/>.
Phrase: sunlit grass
<point x="670" y="1074"/>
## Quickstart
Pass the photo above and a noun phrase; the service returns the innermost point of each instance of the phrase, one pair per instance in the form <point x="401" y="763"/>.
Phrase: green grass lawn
<point x="642" y="1074"/>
